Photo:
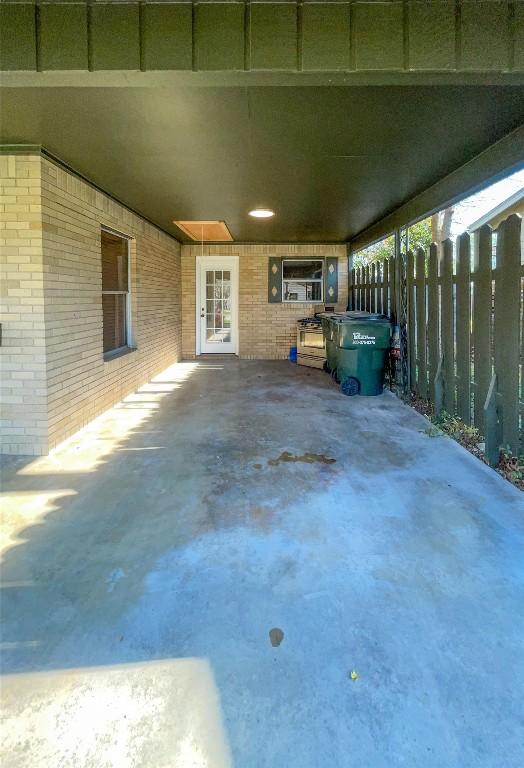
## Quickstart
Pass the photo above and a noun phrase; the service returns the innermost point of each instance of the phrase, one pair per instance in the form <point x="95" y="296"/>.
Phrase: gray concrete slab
<point x="192" y="579"/>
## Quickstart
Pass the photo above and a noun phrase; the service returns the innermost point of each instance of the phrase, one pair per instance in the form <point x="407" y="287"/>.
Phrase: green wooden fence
<point x="465" y="313"/>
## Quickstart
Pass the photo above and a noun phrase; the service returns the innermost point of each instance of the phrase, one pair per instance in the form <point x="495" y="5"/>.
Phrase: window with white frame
<point x="116" y="304"/>
<point x="302" y="279"/>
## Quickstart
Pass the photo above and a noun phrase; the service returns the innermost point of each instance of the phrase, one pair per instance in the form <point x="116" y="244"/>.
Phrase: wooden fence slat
<point x="367" y="289"/>
<point x="412" y="354"/>
<point x="507" y="328"/>
<point x="351" y="296"/>
<point x="433" y="319"/>
<point x="446" y="324"/>
<point x="481" y="334"/>
<point x="422" y="376"/>
<point x="491" y="425"/>
<point x="385" y="288"/>
<point x="380" y="273"/>
<point x="392" y="288"/>
<point x="373" y="287"/>
<point x="357" y="289"/>
<point x="463" y="352"/>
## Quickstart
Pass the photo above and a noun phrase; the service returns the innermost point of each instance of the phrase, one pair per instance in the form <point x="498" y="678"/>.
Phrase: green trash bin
<point x="363" y="343"/>
<point x="330" y="327"/>
<point x="328" y="320"/>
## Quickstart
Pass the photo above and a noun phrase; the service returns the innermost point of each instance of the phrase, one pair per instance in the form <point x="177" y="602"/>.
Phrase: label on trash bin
<point x="363" y="338"/>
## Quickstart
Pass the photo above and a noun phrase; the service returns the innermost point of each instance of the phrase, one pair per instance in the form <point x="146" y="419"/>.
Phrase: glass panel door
<point x="218" y="306"/>
<point x="217" y="311"/>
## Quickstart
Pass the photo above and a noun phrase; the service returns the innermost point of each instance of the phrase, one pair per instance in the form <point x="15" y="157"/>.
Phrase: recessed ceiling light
<point x="262" y="213"/>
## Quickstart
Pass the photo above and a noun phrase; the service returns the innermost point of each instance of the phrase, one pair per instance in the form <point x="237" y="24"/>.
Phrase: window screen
<point x="115" y="291"/>
<point x="302" y="279"/>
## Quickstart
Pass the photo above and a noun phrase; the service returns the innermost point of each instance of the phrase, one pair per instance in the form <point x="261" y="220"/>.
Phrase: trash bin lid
<point x="363" y="316"/>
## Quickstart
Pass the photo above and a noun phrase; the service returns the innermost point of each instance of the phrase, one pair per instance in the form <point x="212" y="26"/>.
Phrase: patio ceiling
<point x="329" y="160"/>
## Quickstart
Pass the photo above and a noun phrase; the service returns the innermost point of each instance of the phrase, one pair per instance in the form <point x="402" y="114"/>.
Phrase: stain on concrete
<point x="257" y="466"/>
<point x="306" y="458"/>
<point x="276" y="636"/>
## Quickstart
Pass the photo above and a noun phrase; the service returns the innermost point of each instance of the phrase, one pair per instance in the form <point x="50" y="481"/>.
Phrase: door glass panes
<point x="218" y="306"/>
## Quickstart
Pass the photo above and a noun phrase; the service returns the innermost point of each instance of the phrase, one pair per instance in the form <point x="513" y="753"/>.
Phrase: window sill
<point x="116" y="353"/>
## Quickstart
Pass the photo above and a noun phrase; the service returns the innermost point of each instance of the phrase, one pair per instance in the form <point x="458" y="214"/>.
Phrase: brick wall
<point x="75" y="384"/>
<point x="23" y="394"/>
<point x="266" y="331"/>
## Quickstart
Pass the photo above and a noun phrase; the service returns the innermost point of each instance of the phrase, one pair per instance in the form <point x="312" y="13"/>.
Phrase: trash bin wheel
<point x="350" y="386"/>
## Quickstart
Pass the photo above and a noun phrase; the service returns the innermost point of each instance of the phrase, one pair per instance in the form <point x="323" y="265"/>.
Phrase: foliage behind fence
<point x="464" y="326"/>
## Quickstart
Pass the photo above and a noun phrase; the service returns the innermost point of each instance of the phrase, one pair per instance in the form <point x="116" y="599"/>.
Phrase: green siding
<point x="484" y="34"/>
<point x="431" y="28"/>
<point x="219" y="36"/>
<point x="273" y="36"/>
<point x="518" y="32"/>
<point x="167" y="36"/>
<point x="114" y="36"/>
<point x="17" y="37"/>
<point x="378" y="35"/>
<point x="63" y="37"/>
<point x="325" y="36"/>
<point x="363" y="36"/>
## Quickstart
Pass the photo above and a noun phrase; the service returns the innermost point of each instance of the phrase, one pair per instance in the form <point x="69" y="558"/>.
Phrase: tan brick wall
<point x="80" y="383"/>
<point x="75" y="383"/>
<point x="23" y="395"/>
<point x="266" y="331"/>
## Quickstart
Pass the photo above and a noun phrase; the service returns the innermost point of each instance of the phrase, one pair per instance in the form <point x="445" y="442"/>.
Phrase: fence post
<point x="373" y="287"/>
<point x="422" y="377"/>
<point x="385" y="288"/>
<point x="433" y="320"/>
<point x="463" y="294"/>
<point x="446" y="322"/>
<point x="411" y="329"/>
<point x="507" y="329"/>
<point x="367" y="290"/>
<point x="481" y="335"/>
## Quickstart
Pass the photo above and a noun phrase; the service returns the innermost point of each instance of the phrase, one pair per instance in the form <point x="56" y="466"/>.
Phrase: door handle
<point x="202" y="316"/>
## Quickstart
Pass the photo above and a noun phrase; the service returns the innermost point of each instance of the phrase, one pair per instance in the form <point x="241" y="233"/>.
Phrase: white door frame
<point x="218" y="262"/>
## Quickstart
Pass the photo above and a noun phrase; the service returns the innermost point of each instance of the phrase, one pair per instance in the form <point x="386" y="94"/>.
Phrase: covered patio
<point x="193" y="578"/>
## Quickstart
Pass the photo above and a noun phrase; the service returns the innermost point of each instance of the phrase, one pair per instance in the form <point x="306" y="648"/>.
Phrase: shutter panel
<point x="331" y="280"/>
<point x="274" y="285"/>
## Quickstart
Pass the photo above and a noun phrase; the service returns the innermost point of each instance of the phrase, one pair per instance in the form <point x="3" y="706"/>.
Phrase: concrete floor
<point x="178" y="596"/>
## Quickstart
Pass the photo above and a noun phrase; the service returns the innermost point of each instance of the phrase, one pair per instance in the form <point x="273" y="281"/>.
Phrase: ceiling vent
<point x="210" y="231"/>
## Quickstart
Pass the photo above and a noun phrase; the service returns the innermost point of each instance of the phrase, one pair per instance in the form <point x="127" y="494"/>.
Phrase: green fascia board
<point x="218" y="36"/>
<point x="378" y="35"/>
<point x="484" y="34"/>
<point x="167" y="36"/>
<point x="17" y="36"/>
<point x="273" y="36"/>
<point x="431" y="30"/>
<point x="518" y="37"/>
<point x="325" y="36"/>
<point x="470" y="36"/>
<point x="62" y="36"/>
<point x="114" y="36"/>
<point x="493" y="164"/>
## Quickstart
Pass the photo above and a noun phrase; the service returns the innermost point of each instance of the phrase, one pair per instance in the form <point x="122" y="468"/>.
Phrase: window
<point x="115" y="291"/>
<point x="302" y="279"/>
